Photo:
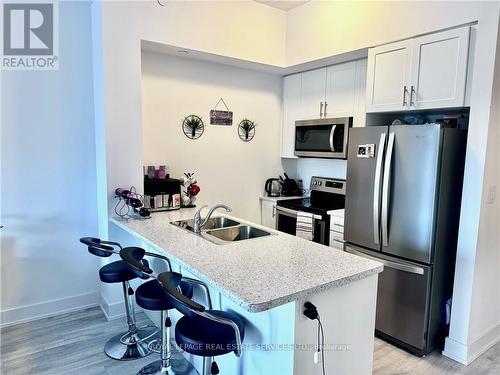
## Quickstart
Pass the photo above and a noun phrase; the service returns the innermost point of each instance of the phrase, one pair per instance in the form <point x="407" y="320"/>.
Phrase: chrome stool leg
<point x="167" y="364"/>
<point x="132" y="344"/>
<point x="210" y="366"/>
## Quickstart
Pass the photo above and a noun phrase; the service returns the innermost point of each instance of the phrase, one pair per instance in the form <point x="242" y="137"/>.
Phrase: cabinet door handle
<point x="274" y="211"/>
<point x="412" y="90"/>
<point x="324" y="113"/>
<point x="321" y="109"/>
<point x="405" y="91"/>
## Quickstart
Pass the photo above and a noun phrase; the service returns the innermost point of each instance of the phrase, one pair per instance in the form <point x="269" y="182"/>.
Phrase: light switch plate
<point x="492" y="194"/>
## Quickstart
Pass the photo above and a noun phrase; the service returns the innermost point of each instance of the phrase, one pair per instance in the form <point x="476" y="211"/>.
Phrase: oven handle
<point x="332" y="132"/>
<point x="292" y="213"/>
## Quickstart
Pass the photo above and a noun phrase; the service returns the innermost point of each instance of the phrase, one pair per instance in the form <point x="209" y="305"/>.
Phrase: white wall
<point x="342" y="26"/>
<point x="365" y="24"/>
<point x="48" y="180"/>
<point x="228" y="170"/>
<point x="485" y="313"/>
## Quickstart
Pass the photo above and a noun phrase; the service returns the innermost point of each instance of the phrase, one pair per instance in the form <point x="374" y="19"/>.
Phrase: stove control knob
<point x="319" y="183"/>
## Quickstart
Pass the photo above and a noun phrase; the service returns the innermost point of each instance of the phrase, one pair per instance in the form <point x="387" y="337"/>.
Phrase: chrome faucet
<point x="198" y="223"/>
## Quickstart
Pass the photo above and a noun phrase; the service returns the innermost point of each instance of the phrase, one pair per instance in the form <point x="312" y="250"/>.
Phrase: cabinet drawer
<point x="337" y="228"/>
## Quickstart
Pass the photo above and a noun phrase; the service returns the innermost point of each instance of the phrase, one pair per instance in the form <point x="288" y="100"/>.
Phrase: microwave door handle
<point x="376" y="189"/>
<point x="332" y="132"/>
<point x="385" y="190"/>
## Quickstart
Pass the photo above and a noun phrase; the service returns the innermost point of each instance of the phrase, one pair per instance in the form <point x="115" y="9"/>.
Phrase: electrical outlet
<point x="492" y="194"/>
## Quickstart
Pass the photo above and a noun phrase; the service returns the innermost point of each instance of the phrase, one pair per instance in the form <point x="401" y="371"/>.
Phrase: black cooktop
<point x="315" y="205"/>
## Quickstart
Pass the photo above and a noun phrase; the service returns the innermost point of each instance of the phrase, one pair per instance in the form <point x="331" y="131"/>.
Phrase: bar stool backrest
<point x="186" y="306"/>
<point x="100" y="248"/>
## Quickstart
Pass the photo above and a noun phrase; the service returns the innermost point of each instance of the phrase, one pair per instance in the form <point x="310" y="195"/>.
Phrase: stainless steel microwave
<point x="322" y="138"/>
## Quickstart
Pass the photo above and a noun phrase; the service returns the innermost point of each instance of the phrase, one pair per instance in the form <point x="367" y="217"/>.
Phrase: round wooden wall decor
<point x="193" y="126"/>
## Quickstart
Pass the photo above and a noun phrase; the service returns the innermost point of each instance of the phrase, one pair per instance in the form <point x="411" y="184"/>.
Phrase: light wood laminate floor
<point x="72" y="344"/>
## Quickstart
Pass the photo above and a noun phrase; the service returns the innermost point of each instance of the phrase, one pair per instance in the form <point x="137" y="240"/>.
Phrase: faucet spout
<point x="199" y="223"/>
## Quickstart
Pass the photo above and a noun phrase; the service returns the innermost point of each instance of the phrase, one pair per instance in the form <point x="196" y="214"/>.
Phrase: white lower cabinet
<point x="268" y="213"/>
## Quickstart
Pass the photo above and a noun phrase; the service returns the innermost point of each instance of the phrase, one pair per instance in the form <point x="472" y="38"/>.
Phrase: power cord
<point x="311" y="312"/>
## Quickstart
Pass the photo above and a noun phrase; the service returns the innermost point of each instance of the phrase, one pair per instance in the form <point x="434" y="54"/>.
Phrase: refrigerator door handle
<point x="376" y="190"/>
<point x="387" y="263"/>
<point x="385" y="189"/>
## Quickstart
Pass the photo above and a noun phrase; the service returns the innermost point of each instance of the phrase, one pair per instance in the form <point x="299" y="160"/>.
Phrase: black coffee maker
<point x="162" y="194"/>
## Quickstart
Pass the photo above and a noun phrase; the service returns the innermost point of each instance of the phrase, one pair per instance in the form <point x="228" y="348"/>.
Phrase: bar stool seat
<point x="151" y="295"/>
<point x="117" y="272"/>
<point x="207" y="338"/>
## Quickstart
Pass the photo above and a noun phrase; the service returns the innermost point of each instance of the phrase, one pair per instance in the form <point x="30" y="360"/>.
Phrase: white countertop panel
<point x="281" y="197"/>
<point x="338" y="213"/>
<point x="257" y="274"/>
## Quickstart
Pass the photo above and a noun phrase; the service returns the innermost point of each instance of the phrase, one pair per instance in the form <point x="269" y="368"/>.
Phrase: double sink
<point x="222" y="230"/>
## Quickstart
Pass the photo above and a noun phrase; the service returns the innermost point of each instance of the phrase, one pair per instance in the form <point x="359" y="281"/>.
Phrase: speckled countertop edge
<point x="367" y="267"/>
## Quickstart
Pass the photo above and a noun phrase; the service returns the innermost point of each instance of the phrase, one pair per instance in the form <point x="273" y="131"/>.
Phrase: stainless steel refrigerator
<point x="404" y="186"/>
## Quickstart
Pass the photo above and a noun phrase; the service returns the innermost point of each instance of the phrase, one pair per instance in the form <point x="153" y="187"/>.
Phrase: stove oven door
<point x="286" y="221"/>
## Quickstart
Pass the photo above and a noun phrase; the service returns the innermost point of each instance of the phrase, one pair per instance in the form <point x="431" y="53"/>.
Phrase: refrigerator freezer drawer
<point x="402" y="299"/>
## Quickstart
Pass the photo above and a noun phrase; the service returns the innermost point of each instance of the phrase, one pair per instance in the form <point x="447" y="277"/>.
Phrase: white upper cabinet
<point x="421" y="73"/>
<point x="292" y="111"/>
<point x="336" y="91"/>
<point x="340" y="98"/>
<point x="388" y="77"/>
<point x="439" y="69"/>
<point x="313" y="94"/>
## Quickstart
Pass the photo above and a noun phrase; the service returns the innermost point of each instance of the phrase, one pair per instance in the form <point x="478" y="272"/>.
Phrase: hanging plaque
<point x="218" y="117"/>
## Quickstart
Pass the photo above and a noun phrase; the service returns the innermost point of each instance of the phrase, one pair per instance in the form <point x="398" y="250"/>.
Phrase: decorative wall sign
<point x="193" y="127"/>
<point x="218" y="117"/>
<point x="246" y="130"/>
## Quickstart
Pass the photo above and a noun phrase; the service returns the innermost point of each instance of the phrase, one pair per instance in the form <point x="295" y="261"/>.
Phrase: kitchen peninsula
<point x="267" y="280"/>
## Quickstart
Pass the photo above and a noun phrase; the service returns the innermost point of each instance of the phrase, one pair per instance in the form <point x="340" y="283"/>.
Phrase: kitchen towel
<point x="304" y="226"/>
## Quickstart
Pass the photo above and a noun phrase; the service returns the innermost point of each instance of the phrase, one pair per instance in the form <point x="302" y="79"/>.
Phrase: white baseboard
<point x="482" y="344"/>
<point x="455" y="350"/>
<point x="115" y="310"/>
<point x="27" y="313"/>
<point x="466" y="354"/>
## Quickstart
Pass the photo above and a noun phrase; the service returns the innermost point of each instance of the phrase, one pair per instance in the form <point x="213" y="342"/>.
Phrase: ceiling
<point x="285" y="5"/>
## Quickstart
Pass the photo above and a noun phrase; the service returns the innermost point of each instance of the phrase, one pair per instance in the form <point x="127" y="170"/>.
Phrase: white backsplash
<point x="308" y="167"/>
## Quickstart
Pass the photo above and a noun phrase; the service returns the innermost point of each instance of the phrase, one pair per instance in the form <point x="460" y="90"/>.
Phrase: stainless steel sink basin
<point x="212" y="223"/>
<point x="242" y="232"/>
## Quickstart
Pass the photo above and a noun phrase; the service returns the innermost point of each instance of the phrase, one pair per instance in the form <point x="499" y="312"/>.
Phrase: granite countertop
<point x="257" y="274"/>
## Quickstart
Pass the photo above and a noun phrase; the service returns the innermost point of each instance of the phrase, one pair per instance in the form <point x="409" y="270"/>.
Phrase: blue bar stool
<point x="151" y="296"/>
<point x="202" y="332"/>
<point x="133" y="343"/>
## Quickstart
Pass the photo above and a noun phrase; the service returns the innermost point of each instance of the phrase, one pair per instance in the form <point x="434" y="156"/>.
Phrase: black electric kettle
<point x="273" y="187"/>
